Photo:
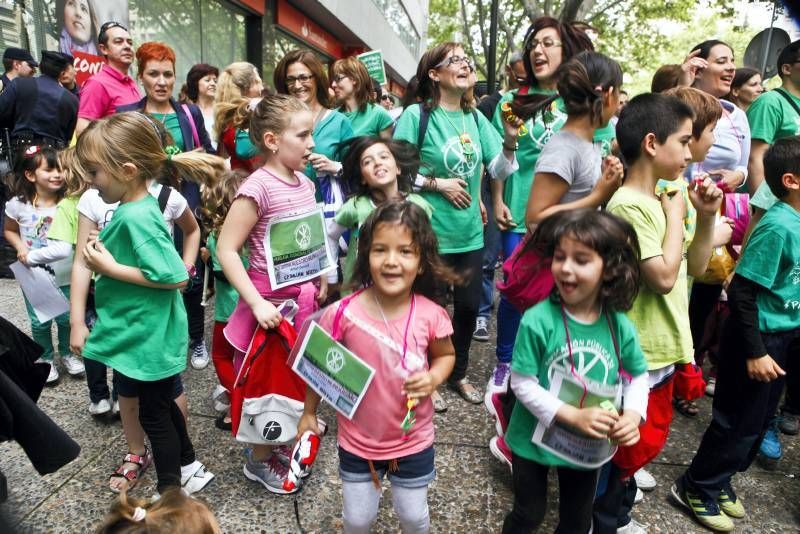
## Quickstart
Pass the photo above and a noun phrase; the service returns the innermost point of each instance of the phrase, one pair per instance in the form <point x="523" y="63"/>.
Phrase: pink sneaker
<point x="495" y="408"/>
<point x="500" y="450"/>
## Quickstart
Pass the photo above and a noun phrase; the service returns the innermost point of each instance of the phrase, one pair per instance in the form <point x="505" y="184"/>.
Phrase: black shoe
<point x="220" y="423"/>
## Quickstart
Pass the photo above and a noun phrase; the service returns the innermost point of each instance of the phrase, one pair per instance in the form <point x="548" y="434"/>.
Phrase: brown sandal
<point x="686" y="407"/>
<point x="131" y="476"/>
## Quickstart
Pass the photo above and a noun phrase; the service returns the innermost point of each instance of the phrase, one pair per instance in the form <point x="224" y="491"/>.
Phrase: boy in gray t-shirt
<point x="574" y="160"/>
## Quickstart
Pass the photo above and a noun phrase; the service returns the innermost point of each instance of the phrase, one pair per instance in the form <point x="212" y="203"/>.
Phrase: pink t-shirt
<point x="273" y="197"/>
<point x="103" y="92"/>
<point x="375" y="432"/>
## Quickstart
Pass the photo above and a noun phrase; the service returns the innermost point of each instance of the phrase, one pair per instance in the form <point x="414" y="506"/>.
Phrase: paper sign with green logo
<point x="373" y="60"/>
<point x="340" y="377"/>
<point x="297" y="249"/>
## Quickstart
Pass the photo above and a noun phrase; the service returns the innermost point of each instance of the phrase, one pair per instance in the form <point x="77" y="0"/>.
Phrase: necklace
<point x="467" y="148"/>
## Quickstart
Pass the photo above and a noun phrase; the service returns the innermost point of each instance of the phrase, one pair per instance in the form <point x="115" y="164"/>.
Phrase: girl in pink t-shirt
<point x="282" y="126"/>
<point x="396" y="330"/>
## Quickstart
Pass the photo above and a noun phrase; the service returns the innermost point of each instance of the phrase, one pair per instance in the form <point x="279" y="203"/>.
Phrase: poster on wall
<point x="78" y="23"/>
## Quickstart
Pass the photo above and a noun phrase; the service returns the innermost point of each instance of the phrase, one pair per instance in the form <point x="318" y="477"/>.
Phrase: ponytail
<point x="584" y="79"/>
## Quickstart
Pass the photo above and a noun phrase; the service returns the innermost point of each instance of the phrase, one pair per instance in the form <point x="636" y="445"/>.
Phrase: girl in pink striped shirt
<point x="281" y="126"/>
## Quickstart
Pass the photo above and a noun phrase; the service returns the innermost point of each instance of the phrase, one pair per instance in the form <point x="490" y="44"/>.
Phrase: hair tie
<point x="599" y="89"/>
<point x="171" y="150"/>
<point x="139" y="514"/>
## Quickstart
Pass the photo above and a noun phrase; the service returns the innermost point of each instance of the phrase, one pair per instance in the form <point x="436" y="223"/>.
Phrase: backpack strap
<point x="163" y="197"/>
<point x="790" y="100"/>
<point x="424" y="117"/>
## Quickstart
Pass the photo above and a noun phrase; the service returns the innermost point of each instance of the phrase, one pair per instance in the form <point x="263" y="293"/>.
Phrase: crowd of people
<point x="650" y="252"/>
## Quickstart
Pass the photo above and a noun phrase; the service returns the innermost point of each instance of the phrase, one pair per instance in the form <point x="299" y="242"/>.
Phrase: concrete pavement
<point x="471" y="494"/>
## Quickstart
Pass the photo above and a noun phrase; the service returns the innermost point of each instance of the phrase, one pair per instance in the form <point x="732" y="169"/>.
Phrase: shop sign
<point x="296" y="23"/>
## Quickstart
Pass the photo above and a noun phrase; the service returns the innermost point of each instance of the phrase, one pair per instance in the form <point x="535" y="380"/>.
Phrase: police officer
<point x="16" y="63"/>
<point x="39" y="110"/>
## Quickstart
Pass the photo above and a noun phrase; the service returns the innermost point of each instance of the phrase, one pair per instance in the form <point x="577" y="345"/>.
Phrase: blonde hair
<point x="232" y="86"/>
<point x="173" y="512"/>
<point x="273" y="114"/>
<point x="74" y="174"/>
<point x="132" y="137"/>
<point x="233" y="114"/>
<point x="217" y="200"/>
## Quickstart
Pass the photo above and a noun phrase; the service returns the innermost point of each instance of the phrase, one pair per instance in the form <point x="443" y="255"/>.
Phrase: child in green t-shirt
<point x="760" y="337"/>
<point x="375" y="172"/>
<point x="141" y="327"/>
<point x="576" y="358"/>
<point x="654" y="133"/>
<point x="216" y="202"/>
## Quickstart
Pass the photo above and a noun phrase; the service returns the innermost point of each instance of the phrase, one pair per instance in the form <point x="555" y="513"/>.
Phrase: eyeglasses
<point x="547" y="42"/>
<point x="303" y="79"/>
<point x="339" y="77"/>
<point x="107" y="26"/>
<point x="386" y="97"/>
<point x="457" y="60"/>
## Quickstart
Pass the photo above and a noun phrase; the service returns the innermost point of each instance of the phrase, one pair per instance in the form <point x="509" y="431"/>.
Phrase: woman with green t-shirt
<point x="352" y="88"/>
<point x="548" y="44"/>
<point x="455" y="143"/>
<point x="301" y="74"/>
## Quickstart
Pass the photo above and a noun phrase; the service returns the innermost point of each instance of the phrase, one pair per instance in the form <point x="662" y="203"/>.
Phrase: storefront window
<point x="400" y="22"/>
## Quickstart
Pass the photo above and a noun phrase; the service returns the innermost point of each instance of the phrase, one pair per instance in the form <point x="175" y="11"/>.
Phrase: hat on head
<point x="20" y="54"/>
<point x="57" y="59"/>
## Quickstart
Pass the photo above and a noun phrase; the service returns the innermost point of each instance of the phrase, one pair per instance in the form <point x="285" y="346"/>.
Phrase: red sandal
<point x="131" y="476"/>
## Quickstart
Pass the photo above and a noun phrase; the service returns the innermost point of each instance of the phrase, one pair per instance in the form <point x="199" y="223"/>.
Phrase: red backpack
<point x="267" y="398"/>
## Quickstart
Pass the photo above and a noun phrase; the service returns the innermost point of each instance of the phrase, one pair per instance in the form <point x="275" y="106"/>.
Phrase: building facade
<point x="222" y="31"/>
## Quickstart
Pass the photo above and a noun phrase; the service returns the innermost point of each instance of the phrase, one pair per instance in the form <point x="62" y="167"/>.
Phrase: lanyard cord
<point x="620" y="370"/>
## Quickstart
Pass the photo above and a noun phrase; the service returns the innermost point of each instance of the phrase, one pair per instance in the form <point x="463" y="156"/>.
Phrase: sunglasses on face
<point x="386" y="97"/>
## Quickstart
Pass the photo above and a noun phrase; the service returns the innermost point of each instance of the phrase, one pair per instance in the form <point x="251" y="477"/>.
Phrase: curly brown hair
<point x="614" y="239"/>
<point x="433" y="272"/>
<point x="216" y="200"/>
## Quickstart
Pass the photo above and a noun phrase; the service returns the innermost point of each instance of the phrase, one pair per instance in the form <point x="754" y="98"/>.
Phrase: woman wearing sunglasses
<point x="455" y="142"/>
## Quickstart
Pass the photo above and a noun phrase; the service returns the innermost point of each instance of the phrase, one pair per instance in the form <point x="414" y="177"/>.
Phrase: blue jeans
<point x="491" y="250"/>
<point x="507" y="315"/>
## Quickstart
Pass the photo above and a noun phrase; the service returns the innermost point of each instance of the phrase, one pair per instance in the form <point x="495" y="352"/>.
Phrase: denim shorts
<point x="129" y="387"/>
<point x="414" y="471"/>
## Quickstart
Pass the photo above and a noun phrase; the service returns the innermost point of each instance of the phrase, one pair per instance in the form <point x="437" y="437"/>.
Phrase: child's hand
<point x="729" y="180"/>
<point x="267" y="314"/>
<point x="22" y="256"/>
<point x="673" y="205"/>
<point x="484" y="213"/>
<point x="78" y="335"/>
<point x="322" y="294"/>
<point x="611" y="178"/>
<point x="420" y="385"/>
<point x="764" y="369"/>
<point x="626" y="430"/>
<point x="705" y="196"/>
<point x="98" y="258"/>
<point x="594" y="422"/>
<point x="723" y="232"/>
<point x="308" y="421"/>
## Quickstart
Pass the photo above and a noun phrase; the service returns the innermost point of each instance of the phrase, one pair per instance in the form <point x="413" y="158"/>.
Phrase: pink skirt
<point x="242" y="325"/>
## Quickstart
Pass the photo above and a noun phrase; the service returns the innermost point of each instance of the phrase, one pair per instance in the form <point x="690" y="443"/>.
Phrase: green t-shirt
<point x="173" y="126"/>
<point x="764" y="198"/>
<point x="458" y="230"/>
<point x="225" y="295"/>
<point x="371" y="121"/>
<point x="771" y="259"/>
<point x="771" y="117"/>
<point x="140" y="331"/>
<point x="541" y="348"/>
<point x="329" y="135"/>
<point x="65" y="224"/>
<point x="662" y="320"/>
<point x="353" y="214"/>
<point x="541" y="128"/>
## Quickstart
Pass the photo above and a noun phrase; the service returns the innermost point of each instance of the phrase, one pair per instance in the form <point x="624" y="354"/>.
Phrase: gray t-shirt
<point x="574" y="160"/>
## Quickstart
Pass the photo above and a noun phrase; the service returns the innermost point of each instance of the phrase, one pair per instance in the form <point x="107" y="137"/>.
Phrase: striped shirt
<point x="274" y="197"/>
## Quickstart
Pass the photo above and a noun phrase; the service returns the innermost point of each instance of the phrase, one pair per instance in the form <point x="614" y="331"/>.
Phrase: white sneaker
<point x="195" y="477"/>
<point x="52" y="378"/>
<point x="199" y="357"/>
<point x="639" y="496"/>
<point x="221" y="398"/>
<point x="100" y="407"/>
<point x="115" y="408"/>
<point x="644" y="480"/>
<point x="73" y="364"/>
<point x="711" y="386"/>
<point x="634" y="527"/>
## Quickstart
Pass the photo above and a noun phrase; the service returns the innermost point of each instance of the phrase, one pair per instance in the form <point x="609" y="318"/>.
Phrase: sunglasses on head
<point x="107" y="26"/>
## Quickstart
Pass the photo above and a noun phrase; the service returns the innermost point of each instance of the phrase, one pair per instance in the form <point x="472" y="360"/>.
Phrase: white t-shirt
<point x="34" y="224"/>
<point x="93" y="208"/>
